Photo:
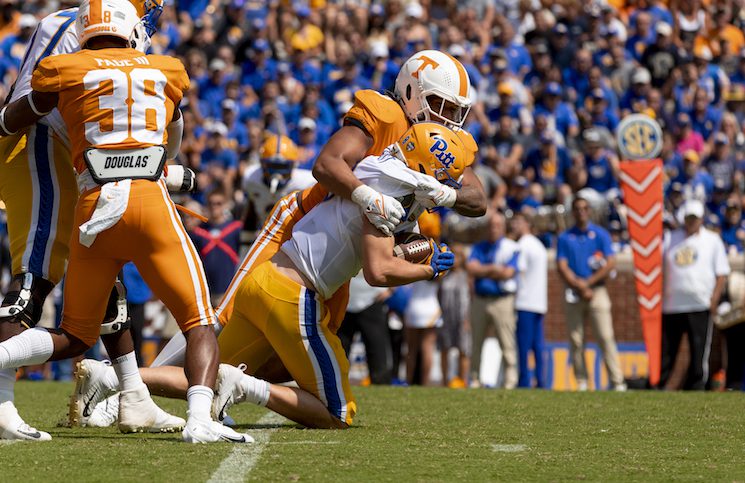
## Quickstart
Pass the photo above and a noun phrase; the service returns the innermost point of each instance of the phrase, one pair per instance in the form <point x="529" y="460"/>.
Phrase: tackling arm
<point x="381" y="268"/>
<point x="26" y="111"/>
<point x="471" y="198"/>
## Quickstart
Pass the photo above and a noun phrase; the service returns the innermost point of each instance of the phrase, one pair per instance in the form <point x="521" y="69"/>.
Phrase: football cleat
<point x="228" y="390"/>
<point x="105" y="413"/>
<point x="138" y="413"/>
<point x="208" y="431"/>
<point x="91" y="387"/>
<point x="13" y="427"/>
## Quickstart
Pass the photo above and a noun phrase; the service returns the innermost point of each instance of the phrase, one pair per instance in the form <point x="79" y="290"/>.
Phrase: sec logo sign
<point x="639" y="137"/>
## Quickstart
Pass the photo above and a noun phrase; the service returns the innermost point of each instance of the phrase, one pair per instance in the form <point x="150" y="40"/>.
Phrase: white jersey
<point x="258" y="192"/>
<point x="326" y="244"/>
<point x="54" y="35"/>
<point x="692" y="265"/>
<point x="532" y="282"/>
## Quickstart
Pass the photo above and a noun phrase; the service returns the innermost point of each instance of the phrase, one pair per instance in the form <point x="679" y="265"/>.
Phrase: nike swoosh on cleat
<point x="221" y="415"/>
<point x="231" y="439"/>
<point x="86" y="409"/>
<point x="35" y="435"/>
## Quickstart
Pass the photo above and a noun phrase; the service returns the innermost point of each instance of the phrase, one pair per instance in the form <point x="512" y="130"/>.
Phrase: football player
<point x="37" y="183"/>
<point x="274" y="177"/>
<point x="287" y="309"/>
<point x="119" y="106"/>
<point x="431" y="85"/>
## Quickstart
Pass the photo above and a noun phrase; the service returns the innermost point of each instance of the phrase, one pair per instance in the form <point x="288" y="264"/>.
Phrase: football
<point x="412" y="247"/>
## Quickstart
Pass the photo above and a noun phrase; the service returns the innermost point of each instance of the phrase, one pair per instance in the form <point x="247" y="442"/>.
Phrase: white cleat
<point x="91" y="387"/>
<point x="207" y="431"/>
<point x="138" y="413"/>
<point x="228" y="390"/>
<point x="12" y="426"/>
<point x="105" y="413"/>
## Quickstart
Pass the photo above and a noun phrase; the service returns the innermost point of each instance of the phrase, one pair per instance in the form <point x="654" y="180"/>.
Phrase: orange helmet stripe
<point x="462" y="75"/>
<point x="95" y="15"/>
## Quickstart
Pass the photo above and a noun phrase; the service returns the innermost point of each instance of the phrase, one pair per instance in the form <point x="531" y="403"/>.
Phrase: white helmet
<point x="114" y="18"/>
<point x="430" y="75"/>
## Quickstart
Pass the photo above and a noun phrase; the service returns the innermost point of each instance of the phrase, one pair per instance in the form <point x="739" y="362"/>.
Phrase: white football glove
<point x="430" y="193"/>
<point x="383" y="211"/>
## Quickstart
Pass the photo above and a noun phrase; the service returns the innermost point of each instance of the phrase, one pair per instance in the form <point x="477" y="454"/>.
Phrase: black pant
<point x="735" y="337"/>
<point x="372" y="323"/>
<point x="137" y="316"/>
<point x="698" y="327"/>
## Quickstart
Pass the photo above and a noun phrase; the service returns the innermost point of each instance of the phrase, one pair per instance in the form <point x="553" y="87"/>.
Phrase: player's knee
<point x="24" y="301"/>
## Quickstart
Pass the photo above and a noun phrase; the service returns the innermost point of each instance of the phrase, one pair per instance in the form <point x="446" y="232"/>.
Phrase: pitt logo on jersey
<point x="440" y="150"/>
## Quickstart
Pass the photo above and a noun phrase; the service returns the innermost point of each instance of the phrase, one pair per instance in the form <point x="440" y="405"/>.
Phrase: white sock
<point x="199" y="399"/>
<point x="30" y="347"/>
<point x="111" y="379"/>
<point x="257" y="390"/>
<point x="127" y="372"/>
<point x="7" y="381"/>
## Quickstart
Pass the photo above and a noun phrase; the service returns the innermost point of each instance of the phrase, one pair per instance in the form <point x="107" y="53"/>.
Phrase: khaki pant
<point x="598" y="309"/>
<point x="499" y="311"/>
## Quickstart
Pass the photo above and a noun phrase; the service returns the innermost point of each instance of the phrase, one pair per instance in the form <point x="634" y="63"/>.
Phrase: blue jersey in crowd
<point x="600" y="173"/>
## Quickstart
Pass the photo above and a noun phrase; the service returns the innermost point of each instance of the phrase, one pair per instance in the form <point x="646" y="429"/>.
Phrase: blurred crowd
<point x="551" y="81"/>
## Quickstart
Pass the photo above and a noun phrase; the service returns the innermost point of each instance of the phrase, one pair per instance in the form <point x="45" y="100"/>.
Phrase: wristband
<point x="4" y="130"/>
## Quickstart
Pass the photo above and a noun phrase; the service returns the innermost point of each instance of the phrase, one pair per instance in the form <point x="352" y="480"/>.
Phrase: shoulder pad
<point x="385" y="109"/>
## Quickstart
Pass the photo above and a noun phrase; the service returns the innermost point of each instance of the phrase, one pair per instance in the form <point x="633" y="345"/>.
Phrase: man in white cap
<point x="695" y="270"/>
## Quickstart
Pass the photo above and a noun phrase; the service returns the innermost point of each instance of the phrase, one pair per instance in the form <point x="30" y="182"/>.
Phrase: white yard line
<point x="242" y="459"/>
<point x="508" y="448"/>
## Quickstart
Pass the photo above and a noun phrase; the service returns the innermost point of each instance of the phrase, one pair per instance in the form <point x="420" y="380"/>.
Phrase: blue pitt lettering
<point x="440" y="150"/>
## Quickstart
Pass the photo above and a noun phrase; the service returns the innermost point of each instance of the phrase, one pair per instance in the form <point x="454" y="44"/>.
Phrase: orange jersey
<point x="113" y="98"/>
<point x="384" y="120"/>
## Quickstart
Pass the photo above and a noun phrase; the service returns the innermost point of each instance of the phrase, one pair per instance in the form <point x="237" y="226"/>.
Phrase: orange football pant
<point x="151" y="235"/>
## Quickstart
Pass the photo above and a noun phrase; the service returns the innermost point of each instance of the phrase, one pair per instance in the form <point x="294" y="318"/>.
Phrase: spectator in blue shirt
<point x="696" y="182"/>
<point x="576" y="77"/>
<point x="641" y="81"/>
<point x="733" y="227"/>
<point x="601" y="165"/>
<point x="585" y="260"/>
<point x="520" y="198"/>
<point x="560" y="113"/>
<point x="259" y="68"/>
<point x="217" y="242"/>
<point x="548" y="166"/>
<point x="721" y="164"/>
<point x="600" y="112"/>
<point x="13" y="47"/>
<point x="212" y="88"/>
<point x="517" y="55"/>
<point x="380" y="70"/>
<point x="493" y="264"/>
<point x="307" y="143"/>
<point x="219" y="164"/>
<point x="237" y="132"/>
<point x="643" y="36"/>
<point x="705" y="118"/>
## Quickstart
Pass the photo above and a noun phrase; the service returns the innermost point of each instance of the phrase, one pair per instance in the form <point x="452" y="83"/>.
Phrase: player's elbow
<point x="376" y="273"/>
<point x="321" y="169"/>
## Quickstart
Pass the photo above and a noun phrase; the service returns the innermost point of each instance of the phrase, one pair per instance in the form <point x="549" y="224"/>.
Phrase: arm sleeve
<point x="46" y="77"/>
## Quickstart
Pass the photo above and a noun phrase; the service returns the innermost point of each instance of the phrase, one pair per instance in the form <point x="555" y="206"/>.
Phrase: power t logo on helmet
<point x="433" y="86"/>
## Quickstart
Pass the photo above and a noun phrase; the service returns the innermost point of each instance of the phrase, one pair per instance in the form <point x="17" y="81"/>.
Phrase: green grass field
<point x="412" y="434"/>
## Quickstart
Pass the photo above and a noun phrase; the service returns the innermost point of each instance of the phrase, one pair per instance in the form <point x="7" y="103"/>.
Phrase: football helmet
<point x="435" y="150"/>
<point x="114" y="18"/>
<point x="278" y="157"/>
<point x="434" y="86"/>
<point x="149" y="11"/>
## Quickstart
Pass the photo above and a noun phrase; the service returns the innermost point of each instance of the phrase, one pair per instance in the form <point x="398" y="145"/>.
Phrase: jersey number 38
<point x="136" y="102"/>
